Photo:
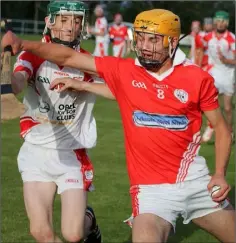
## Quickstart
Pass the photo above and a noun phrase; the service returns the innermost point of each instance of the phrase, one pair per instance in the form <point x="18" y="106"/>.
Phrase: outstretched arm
<point x="55" y="53"/>
<point x="97" y="88"/>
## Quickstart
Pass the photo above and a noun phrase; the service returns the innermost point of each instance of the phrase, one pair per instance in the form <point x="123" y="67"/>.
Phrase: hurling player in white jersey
<point x="100" y="32"/>
<point x="220" y="45"/>
<point x="57" y="129"/>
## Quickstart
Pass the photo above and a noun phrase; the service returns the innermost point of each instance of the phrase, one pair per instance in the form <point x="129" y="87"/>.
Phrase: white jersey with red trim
<point x="101" y="24"/>
<point x="55" y="120"/>
<point x="225" y="43"/>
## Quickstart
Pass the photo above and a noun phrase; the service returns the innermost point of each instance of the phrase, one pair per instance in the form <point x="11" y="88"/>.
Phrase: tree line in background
<point x="187" y="10"/>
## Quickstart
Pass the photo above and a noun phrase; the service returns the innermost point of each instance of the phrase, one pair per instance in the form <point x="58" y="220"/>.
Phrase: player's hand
<point x="221" y="57"/>
<point x="10" y="39"/>
<point x="219" y="180"/>
<point x="61" y="84"/>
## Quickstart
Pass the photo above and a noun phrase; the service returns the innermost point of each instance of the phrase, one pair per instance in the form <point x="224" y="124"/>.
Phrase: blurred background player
<point x="207" y="25"/>
<point x="100" y="32"/>
<point x="118" y="33"/>
<point x="57" y="129"/>
<point x="201" y="58"/>
<point x="195" y="31"/>
<point x="220" y="45"/>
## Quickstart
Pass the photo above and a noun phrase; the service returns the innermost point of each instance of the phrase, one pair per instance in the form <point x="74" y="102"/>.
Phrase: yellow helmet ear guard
<point x="166" y="41"/>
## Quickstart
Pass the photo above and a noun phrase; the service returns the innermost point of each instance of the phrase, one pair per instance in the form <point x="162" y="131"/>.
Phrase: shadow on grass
<point x="184" y="231"/>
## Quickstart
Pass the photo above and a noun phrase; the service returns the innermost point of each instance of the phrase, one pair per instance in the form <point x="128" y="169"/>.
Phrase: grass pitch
<point x="111" y="199"/>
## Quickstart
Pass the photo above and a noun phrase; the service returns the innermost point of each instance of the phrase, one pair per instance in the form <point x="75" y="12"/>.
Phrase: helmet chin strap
<point x="72" y="44"/>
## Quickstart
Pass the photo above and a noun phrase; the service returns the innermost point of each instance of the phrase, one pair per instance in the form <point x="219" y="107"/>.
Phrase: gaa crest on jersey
<point x="181" y="95"/>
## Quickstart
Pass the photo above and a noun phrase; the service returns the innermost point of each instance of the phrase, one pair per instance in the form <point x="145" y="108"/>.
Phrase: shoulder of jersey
<point x="231" y="37"/>
<point x="30" y="57"/>
<point x="193" y="69"/>
<point x="208" y="36"/>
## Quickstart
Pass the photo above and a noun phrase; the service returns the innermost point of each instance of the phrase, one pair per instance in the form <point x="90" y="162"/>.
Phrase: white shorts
<point x="224" y="81"/>
<point x="101" y="49"/>
<point x="69" y="169"/>
<point x="119" y="50"/>
<point x="190" y="199"/>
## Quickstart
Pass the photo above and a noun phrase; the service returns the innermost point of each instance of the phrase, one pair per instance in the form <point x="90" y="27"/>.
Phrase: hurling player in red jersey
<point x="118" y="33"/>
<point x="161" y="96"/>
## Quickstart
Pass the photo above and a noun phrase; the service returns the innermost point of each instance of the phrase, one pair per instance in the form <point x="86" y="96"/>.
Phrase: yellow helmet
<point x="158" y="21"/>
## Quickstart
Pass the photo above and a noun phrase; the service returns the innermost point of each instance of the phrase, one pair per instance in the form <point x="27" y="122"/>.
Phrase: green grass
<point x="111" y="199"/>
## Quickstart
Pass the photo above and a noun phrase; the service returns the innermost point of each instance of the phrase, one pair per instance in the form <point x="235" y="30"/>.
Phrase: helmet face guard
<point x="66" y="8"/>
<point x="155" y="59"/>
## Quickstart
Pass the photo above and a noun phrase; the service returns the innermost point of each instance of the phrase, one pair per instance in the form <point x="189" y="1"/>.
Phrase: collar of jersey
<point x="179" y="58"/>
<point x="221" y="36"/>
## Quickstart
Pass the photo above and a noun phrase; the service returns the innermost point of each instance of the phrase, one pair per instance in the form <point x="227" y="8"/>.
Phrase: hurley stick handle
<point x="6" y="71"/>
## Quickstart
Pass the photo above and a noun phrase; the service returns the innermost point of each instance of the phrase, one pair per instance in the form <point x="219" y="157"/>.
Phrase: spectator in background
<point x="118" y="33"/>
<point x="100" y="32"/>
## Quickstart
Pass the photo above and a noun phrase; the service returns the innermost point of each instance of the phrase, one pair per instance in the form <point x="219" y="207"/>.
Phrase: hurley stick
<point x="11" y="108"/>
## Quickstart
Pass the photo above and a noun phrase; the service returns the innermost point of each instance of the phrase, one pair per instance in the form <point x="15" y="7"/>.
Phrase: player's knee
<point x="42" y="233"/>
<point x="228" y="109"/>
<point x="73" y="236"/>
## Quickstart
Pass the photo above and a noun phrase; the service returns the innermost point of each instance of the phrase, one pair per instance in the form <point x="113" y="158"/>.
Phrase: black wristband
<point x="8" y="48"/>
<point x="6" y="89"/>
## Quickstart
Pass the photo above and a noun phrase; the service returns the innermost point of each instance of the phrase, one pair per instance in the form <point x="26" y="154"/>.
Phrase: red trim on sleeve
<point x="22" y="68"/>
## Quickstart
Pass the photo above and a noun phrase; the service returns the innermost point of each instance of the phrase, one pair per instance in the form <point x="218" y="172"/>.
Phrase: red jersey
<point x="162" y="117"/>
<point x="119" y="33"/>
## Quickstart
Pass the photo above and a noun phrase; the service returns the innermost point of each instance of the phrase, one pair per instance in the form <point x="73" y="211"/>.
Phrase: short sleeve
<point x="103" y="24"/>
<point x="108" y="69"/>
<point x="199" y="42"/>
<point x="27" y="62"/>
<point x="24" y="63"/>
<point x="110" y="31"/>
<point x="208" y="95"/>
<point x="232" y="42"/>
